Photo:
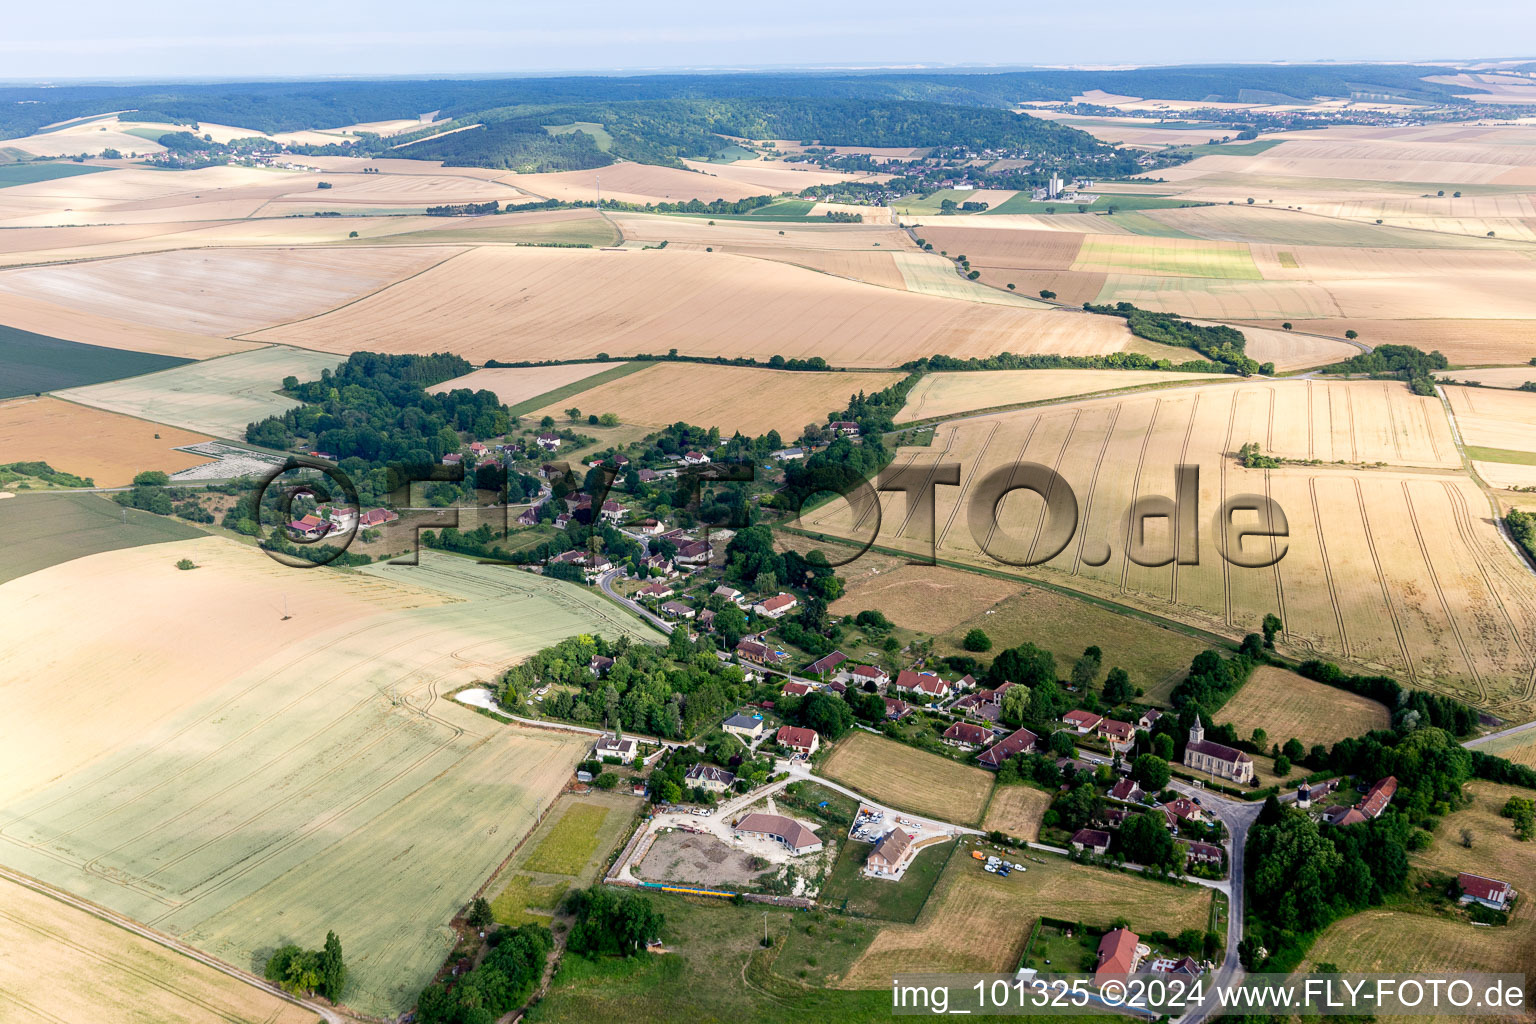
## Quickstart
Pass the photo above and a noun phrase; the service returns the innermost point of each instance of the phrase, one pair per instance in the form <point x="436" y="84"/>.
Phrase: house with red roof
<point x="1126" y="790"/>
<point x="925" y="683"/>
<point x="1121" y="735"/>
<point x="1017" y="742"/>
<point x="1117" y="955"/>
<point x="796" y="689"/>
<point x="776" y="607"/>
<point x="802" y="741"/>
<point x="1378" y="797"/>
<point x="1084" y="722"/>
<point x="967" y="735"/>
<point x="1489" y="892"/>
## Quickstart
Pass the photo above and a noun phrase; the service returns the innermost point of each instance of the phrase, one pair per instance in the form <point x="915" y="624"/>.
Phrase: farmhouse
<point x="1489" y="892"/>
<point x="710" y="778"/>
<point x="847" y="428"/>
<point x="776" y="607"/>
<point x="889" y="852"/>
<point x="821" y="666"/>
<point x="529" y="516"/>
<point x="340" y="518"/>
<point x="1016" y="742"/>
<point x="789" y="454"/>
<point x="1092" y="840"/>
<point x="922" y="682"/>
<point x="1121" y="735"/>
<point x="1216" y="758"/>
<point x="797" y="689"/>
<point x="1084" y="722"/>
<point x="622" y="748"/>
<point x="1378" y="797"/>
<point x="549" y="442"/>
<point x="796" y="837"/>
<point x="1118" y="955"/>
<point x="803" y="741"/>
<point x="745" y="726"/>
<point x="311" y="527"/>
<point x="377" y="517"/>
<point x="695" y="458"/>
<point x="967" y="735"/>
<point x="452" y="459"/>
<point x="563" y="520"/>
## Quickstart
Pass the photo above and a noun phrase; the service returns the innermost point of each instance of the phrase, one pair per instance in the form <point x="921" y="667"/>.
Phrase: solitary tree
<point x="976" y="640"/>
<point x="1351" y="334"/>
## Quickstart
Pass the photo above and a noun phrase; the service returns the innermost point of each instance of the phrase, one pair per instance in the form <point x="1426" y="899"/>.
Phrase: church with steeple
<point x="1216" y="758"/>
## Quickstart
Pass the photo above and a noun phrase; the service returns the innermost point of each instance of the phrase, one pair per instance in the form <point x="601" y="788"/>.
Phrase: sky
<point x="167" y="39"/>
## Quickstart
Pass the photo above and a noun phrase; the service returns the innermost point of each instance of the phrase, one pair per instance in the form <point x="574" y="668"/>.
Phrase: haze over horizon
<point x="286" y="39"/>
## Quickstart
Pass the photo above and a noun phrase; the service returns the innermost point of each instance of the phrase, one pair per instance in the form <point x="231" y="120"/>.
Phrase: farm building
<point x="1216" y="758"/>
<point x="745" y="726"/>
<point x="1489" y="892"/>
<point x="804" y="741"/>
<point x="1091" y="840"/>
<point x="710" y="778"/>
<point x="796" y="837"/>
<point x="1119" y="955"/>
<point x="1378" y="797"/>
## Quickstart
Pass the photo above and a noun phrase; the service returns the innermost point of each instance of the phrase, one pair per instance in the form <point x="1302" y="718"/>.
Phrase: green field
<point x="784" y="208"/>
<point x="216" y="396"/>
<point x="40" y="530"/>
<point x="1508" y="455"/>
<point x="289" y="786"/>
<point x="34" y="363"/>
<point x="1022" y="203"/>
<point x="1232" y="148"/>
<point x="569" y="849"/>
<point x="934" y="202"/>
<point x="26" y="174"/>
<point x="848" y="888"/>
<point x="598" y="132"/>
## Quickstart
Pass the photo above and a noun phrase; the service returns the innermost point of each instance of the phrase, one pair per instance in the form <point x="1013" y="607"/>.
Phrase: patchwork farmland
<point x="141" y="793"/>
<point x="1396" y="569"/>
<point x="52" y="431"/>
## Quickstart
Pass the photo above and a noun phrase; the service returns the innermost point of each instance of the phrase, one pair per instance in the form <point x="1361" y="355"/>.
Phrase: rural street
<point x="169" y="943"/>
<point x="1238" y="816"/>
<point x="1511" y="731"/>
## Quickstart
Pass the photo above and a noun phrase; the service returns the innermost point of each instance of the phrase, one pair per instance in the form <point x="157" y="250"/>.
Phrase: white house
<point x="776" y="607"/>
<point x="622" y="748"/>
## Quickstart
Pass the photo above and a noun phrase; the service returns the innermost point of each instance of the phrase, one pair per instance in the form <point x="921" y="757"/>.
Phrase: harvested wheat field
<point x="1015" y="249"/>
<point x="1397" y="571"/>
<point x="934" y="275"/>
<point x="1016" y="810"/>
<point x="1177" y="257"/>
<point x="930" y="598"/>
<point x="1507" y="474"/>
<point x="733" y="398"/>
<point x="407" y="190"/>
<point x="104" y="446"/>
<point x="506" y="303"/>
<point x="1295" y="349"/>
<point x="767" y="176"/>
<point x="967" y="902"/>
<point x="216" y="396"/>
<point x="636" y="183"/>
<point x="1463" y="342"/>
<point x="1286" y="705"/>
<point x="744" y="231"/>
<point x="259" y="779"/>
<point x="908" y="779"/>
<point x="1497" y="377"/>
<point x="539" y="227"/>
<point x="58" y="321"/>
<point x="1494" y="418"/>
<point x="512" y="385"/>
<point x="65" y="966"/>
<point x="872" y="266"/>
<point x="949" y="394"/>
<point x="220" y="291"/>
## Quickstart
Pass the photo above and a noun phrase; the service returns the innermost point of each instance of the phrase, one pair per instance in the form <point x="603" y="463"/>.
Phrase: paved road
<point x="130" y="925"/>
<point x="605" y="581"/>
<point x="1238" y="816"/>
<point x="1511" y="731"/>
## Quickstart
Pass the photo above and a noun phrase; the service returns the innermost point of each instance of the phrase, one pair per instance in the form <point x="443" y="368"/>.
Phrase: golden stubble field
<point x="1396" y="568"/>
<point x="733" y="398"/>
<point x="105" y="446"/>
<point x="1286" y="706"/>
<point x="506" y="303"/>
<point x="909" y="779"/>
<point x="238" y="779"/>
<point x="63" y="964"/>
